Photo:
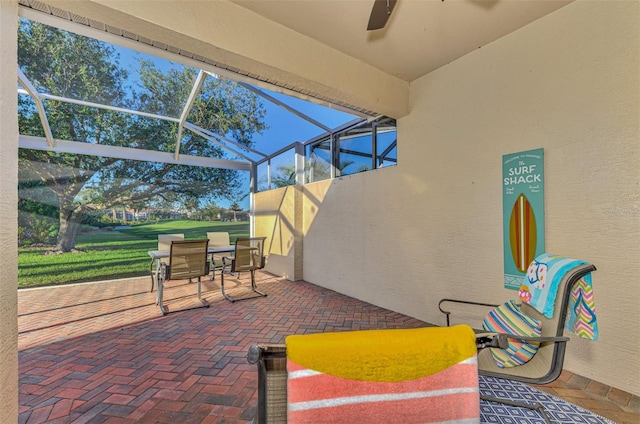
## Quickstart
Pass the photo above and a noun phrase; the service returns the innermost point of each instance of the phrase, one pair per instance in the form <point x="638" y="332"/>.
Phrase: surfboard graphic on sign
<point x="522" y="233"/>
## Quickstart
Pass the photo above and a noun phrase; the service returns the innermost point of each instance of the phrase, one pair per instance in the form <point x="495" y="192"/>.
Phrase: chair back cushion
<point x="218" y="238"/>
<point x="164" y="243"/>
<point x="188" y="259"/>
<point x="164" y="240"/>
<point x="509" y="319"/>
<point x="248" y="254"/>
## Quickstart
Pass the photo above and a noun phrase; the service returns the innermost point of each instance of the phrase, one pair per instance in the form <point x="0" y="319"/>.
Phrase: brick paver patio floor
<point x="103" y="353"/>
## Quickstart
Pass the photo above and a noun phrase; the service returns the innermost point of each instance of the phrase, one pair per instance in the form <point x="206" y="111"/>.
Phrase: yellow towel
<point x="383" y="355"/>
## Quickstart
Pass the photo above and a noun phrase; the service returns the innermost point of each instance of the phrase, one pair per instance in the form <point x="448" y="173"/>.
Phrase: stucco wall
<point x="278" y="216"/>
<point x="8" y="213"/>
<point x="404" y="237"/>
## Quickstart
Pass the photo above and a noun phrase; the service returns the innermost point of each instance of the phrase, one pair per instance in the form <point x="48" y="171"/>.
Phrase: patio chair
<point x="347" y="366"/>
<point x="187" y="260"/>
<point x="218" y="238"/>
<point x="248" y="257"/>
<point x="546" y="364"/>
<point x="164" y="243"/>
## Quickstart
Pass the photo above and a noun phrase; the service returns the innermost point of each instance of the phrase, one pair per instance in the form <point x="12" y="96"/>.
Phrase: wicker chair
<point x="271" y="360"/>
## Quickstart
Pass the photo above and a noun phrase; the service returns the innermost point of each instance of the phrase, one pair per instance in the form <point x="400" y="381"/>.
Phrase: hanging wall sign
<point x="522" y="213"/>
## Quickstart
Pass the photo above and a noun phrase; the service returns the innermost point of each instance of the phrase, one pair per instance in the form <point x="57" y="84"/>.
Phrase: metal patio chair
<point x="217" y="238"/>
<point x="248" y="257"/>
<point x="546" y="364"/>
<point x="187" y="259"/>
<point x="164" y="243"/>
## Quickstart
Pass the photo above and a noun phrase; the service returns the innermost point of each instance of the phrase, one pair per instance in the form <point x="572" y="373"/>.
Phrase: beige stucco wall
<point x="404" y="237"/>
<point x="8" y="213"/>
<point x="278" y="216"/>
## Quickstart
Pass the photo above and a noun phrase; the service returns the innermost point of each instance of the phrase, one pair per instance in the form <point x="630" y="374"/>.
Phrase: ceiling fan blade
<point x="380" y="14"/>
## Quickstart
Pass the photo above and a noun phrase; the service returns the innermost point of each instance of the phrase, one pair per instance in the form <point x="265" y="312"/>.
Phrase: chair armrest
<point x="485" y="340"/>
<point x="465" y="302"/>
<point x="499" y="340"/>
<point x="257" y="352"/>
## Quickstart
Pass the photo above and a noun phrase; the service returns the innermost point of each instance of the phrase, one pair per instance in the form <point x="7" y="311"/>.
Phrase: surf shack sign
<point x="522" y="213"/>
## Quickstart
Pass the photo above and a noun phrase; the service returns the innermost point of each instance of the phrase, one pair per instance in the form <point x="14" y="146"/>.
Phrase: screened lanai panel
<point x="100" y="93"/>
<point x="66" y="65"/>
<point x="355" y="150"/>
<point x="98" y="183"/>
<point x="387" y="151"/>
<point x="28" y="119"/>
<point x="318" y="156"/>
<point x="74" y="122"/>
<point x="294" y="120"/>
<point x="263" y="177"/>
<point x="228" y="116"/>
<point x="280" y="171"/>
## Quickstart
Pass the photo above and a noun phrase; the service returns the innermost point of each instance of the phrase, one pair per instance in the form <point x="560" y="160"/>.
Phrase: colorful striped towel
<point x="540" y="288"/>
<point x="509" y="319"/>
<point x="582" y="310"/>
<point x="421" y="375"/>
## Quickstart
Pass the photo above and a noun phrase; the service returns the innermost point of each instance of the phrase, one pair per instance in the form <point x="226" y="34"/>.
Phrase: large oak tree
<point x="66" y="64"/>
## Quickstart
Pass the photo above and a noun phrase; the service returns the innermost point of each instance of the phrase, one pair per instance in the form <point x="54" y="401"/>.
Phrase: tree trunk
<point x="69" y="228"/>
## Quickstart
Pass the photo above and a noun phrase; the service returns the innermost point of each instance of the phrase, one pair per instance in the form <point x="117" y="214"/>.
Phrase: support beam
<point x="105" y="107"/>
<point x="187" y="107"/>
<point x="75" y="147"/>
<point x="285" y="106"/>
<point x="31" y="90"/>
<point x="213" y="137"/>
<point x="299" y="164"/>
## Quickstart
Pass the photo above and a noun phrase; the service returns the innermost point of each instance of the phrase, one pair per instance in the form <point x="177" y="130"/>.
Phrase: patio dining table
<point x="158" y="255"/>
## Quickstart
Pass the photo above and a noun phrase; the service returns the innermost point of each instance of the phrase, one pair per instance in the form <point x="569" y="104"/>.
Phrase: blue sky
<point x="284" y="126"/>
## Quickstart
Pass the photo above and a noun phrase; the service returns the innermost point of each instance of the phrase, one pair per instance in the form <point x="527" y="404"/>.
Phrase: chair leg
<point x="151" y="273"/>
<point x="536" y="406"/>
<point x="253" y="287"/>
<point x="159" y="300"/>
<point x="213" y="266"/>
<point x="226" y="296"/>
<point x="204" y="303"/>
<point x="160" y="294"/>
<point x="253" y="284"/>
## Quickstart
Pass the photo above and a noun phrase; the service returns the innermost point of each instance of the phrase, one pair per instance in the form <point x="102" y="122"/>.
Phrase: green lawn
<point x="111" y="254"/>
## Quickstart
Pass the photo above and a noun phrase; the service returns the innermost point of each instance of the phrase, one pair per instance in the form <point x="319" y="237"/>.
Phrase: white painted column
<point x="8" y="211"/>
